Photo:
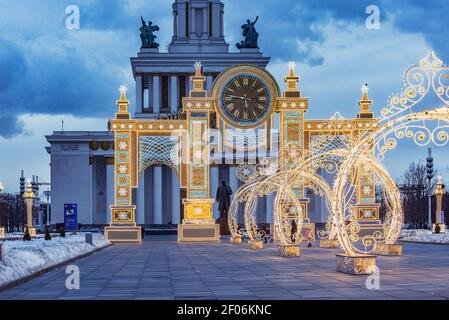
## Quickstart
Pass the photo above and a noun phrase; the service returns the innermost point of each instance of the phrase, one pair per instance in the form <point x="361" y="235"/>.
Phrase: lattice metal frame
<point x="159" y="150"/>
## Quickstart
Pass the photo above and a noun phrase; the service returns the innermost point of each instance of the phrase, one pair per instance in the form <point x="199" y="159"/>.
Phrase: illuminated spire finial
<point x="365" y="90"/>
<point x="365" y="103"/>
<point x="29" y="194"/>
<point x="123" y="89"/>
<point x="122" y="102"/>
<point x="198" y="80"/>
<point x="292" y="82"/>
<point x="439" y="190"/>
<point x="198" y="68"/>
<point x="292" y="66"/>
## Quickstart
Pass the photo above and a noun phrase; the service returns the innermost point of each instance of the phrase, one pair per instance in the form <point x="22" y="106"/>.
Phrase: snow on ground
<point x="23" y="258"/>
<point x="423" y="236"/>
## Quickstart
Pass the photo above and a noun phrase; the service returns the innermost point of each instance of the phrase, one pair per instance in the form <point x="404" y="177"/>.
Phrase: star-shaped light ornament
<point x="122" y="89"/>
<point x="198" y="68"/>
<point x="367" y="213"/>
<point x="123" y="215"/>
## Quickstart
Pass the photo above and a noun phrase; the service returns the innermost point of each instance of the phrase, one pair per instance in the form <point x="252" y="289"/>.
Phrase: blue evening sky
<point x="49" y="73"/>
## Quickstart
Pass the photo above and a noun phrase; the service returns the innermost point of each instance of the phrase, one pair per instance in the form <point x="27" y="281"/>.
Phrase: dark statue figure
<point x="223" y="198"/>
<point x="147" y="34"/>
<point x="250" y="34"/>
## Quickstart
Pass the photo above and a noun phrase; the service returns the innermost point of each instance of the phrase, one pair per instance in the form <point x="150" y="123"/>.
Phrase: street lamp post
<point x="439" y="192"/>
<point x="2" y="229"/>
<point x="29" y="198"/>
<point x="429" y="187"/>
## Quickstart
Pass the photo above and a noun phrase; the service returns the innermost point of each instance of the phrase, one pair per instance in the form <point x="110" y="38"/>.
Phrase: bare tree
<point x="12" y="212"/>
<point x="414" y="189"/>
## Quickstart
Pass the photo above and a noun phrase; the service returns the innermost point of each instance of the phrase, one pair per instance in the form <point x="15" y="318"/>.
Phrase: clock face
<point x="245" y="99"/>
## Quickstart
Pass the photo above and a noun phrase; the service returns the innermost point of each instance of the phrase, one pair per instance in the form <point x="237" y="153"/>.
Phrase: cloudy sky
<point x="49" y="73"/>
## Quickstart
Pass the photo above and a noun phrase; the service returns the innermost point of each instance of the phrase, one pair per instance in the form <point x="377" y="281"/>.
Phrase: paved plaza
<point x="160" y="268"/>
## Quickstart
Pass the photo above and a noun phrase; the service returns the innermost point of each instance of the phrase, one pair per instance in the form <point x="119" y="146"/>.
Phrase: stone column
<point x="270" y="208"/>
<point x="233" y="181"/>
<point x="221" y="20"/>
<point x="109" y="187"/>
<point x="189" y="83"/>
<point x="175" y="24"/>
<point x="140" y="214"/>
<point x="150" y="92"/>
<point x="214" y="184"/>
<point x="192" y="22"/>
<point x="176" y="199"/>
<point x="205" y="23"/>
<point x="174" y="96"/>
<point x="157" y="191"/>
<point x="209" y="82"/>
<point x="139" y="92"/>
<point x="215" y="20"/>
<point x="181" y="23"/>
<point x="156" y="94"/>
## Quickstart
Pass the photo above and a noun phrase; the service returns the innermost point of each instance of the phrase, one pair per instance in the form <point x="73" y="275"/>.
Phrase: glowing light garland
<point x="346" y="157"/>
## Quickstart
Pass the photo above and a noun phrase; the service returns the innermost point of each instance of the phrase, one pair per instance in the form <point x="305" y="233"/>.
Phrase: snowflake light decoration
<point x="122" y="169"/>
<point x="122" y="192"/>
<point x="366" y="190"/>
<point x="246" y="172"/>
<point x="123" y="145"/>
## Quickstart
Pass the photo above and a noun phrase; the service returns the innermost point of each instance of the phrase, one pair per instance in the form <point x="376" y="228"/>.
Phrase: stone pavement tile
<point x="405" y="293"/>
<point x="316" y="293"/>
<point x="151" y="297"/>
<point x="166" y="269"/>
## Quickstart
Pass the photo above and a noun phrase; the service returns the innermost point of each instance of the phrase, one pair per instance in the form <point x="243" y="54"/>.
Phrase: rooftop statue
<point x="147" y="34"/>
<point x="250" y="34"/>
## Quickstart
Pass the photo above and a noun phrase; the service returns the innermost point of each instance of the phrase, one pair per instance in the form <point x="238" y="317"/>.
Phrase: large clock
<point x="245" y="96"/>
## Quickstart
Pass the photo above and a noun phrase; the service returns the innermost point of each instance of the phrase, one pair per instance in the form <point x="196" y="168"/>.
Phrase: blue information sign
<point x="70" y="216"/>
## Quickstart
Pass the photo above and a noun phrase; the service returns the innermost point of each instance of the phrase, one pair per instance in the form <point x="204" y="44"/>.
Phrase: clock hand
<point x="241" y="98"/>
<point x="237" y="97"/>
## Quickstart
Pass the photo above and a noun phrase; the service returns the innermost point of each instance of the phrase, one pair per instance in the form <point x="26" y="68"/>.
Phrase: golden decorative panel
<point x="123" y="215"/>
<point x="194" y="211"/>
<point x="293" y="133"/>
<point x="198" y="176"/>
<point x="368" y="212"/>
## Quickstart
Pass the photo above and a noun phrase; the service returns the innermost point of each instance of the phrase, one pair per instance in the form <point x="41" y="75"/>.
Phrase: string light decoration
<point x="400" y="119"/>
<point x="429" y="76"/>
<point x="347" y="156"/>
